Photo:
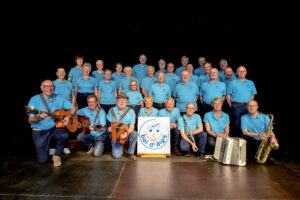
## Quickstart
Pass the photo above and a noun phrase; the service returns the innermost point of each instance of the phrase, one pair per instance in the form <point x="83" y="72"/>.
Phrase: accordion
<point x="118" y="129"/>
<point x="230" y="151"/>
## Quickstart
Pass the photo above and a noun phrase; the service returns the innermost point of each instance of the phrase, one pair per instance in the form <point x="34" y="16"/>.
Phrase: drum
<point x="230" y="151"/>
<point x="117" y="130"/>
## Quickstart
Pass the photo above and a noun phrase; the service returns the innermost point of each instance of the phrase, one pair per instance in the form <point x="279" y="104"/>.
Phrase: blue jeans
<point x="200" y="140"/>
<point x="42" y="140"/>
<point x="117" y="148"/>
<point x="211" y="143"/>
<point x="175" y="137"/>
<point x="238" y="111"/>
<point x="98" y="142"/>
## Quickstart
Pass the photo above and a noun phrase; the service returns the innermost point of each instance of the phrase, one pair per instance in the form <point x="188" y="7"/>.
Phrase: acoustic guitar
<point x="85" y="124"/>
<point x="58" y="116"/>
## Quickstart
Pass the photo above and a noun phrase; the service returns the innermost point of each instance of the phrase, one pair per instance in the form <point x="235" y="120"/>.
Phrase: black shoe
<point x="186" y="154"/>
<point x="271" y="160"/>
<point x="202" y="157"/>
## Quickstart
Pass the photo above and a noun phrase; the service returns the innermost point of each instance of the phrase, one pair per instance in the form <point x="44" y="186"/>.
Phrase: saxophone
<point x="266" y="146"/>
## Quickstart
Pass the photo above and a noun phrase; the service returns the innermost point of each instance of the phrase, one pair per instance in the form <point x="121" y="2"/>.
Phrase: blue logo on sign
<point x="152" y="135"/>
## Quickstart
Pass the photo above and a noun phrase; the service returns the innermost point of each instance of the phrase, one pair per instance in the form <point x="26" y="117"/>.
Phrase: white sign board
<point x="153" y="135"/>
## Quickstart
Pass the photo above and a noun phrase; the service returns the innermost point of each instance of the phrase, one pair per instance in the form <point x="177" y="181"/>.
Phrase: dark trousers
<point x="200" y="140"/>
<point x="211" y="143"/>
<point x="159" y="106"/>
<point x="237" y="112"/>
<point x="175" y="138"/>
<point x="106" y="107"/>
<point x="82" y="99"/>
<point x="42" y="140"/>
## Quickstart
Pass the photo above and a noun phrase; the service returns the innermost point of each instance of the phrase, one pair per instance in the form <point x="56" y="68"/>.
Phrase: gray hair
<point x="223" y="60"/>
<point x="184" y="57"/>
<point x="86" y="64"/>
<point x="148" y="97"/>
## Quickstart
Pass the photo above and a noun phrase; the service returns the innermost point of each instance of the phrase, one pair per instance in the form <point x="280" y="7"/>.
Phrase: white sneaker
<point x="51" y="151"/>
<point x="67" y="150"/>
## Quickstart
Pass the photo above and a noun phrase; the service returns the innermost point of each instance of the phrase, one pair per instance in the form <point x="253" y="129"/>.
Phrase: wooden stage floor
<point x="85" y="177"/>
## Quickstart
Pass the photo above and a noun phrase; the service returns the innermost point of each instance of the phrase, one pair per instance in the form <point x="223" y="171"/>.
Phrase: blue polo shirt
<point x="155" y="74"/>
<point x="143" y="112"/>
<point x="216" y="125"/>
<point x="129" y="118"/>
<point x="222" y="76"/>
<point x="186" y="93"/>
<point x="211" y="90"/>
<point x="179" y="70"/>
<point x="134" y="98"/>
<point x="117" y="78"/>
<point x="147" y="82"/>
<point x="255" y="125"/>
<point x="63" y="89"/>
<point x="97" y="76"/>
<point x="227" y="81"/>
<point x="55" y="103"/>
<point x="101" y="119"/>
<point x="75" y="73"/>
<point x="195" y="79"/>
<point x="84" y="86"/>
<point x="107" y="96"/>
<point x="172" y="81"/>
<point x="193" y="123"/>
<point x="241" y="92"/>
<point x="160" y="92"/>
<point x="199" y="71"/>
<point x="140" y="72"/>
<point x="125" y="84"/>
<point x="174" y="115"/>
<point x="203" y="79"/>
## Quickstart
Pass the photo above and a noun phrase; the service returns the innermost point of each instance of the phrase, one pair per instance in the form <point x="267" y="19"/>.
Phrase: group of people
<point x="185" y="95"/>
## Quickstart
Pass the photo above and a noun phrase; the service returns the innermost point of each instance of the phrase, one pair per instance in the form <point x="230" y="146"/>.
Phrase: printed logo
<point x="152" y="135"/>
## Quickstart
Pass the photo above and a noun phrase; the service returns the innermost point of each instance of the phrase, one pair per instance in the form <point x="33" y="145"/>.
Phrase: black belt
<point x="158" y="104"/>
<point x="239" y="104"/>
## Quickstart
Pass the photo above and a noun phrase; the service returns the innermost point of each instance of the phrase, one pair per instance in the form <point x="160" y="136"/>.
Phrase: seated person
<point x="95" y="139"/>
<point x="148" y="110"/>
<point x="135" y="100"/>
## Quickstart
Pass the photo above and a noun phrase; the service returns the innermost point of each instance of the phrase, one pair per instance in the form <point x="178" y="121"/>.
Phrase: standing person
<point x="148" y="110"/>
<point x="118" y="75"/>
<point x="76" y="71"/>
<point x="185" y="92"/>
<point x="160" y="91"/>
<point x="44" y="127"/>
<point x="223" y="66"/>
<point x="191" y="124"/>
<point x="107" y="92"/>
<point x="85" y="86"/>
<point x="171" y="78"/>
<point x="205" y="78"/>
<point x="229" y="76"/>
<point x="216" y="123"/>
<point x="95" y="139"/>
<point x="184" y="62"/>
<point x="174" y="114"/>
<point x="98" y="74"/>
<point x="140" y="70"/>
<point x="161" y="67"/>
<point x="193" y="78"/>
<point x="64" y="88"/>
<point x="147" y="82"/>
<point x="135" y="98"/>
<point x="239" y="93"/>
<point x="114" y="115"/>
<point x="125" y="82"/>
<point x="199" y="71"/>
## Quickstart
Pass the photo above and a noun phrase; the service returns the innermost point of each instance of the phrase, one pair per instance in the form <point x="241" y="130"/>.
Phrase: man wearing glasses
<point x="44" y="127"/>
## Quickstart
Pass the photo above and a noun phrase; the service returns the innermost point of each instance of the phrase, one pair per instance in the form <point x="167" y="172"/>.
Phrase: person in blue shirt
<point x="239" y="93"/>
<point x="118" y="75"/>
<point x="148" y="110"/>
<point x="171" y="78"/>
<point x="191" y="124"/>
<point x="211" y="89"/>
<point x="140" y="70"/>
<point x="160" y="91"/>
<point x="205" y="78"/>
<point x="229" y="76"/>
<point x="85" y="86"/>
<point x="199" y="71"/>
<point x="107" y="91"/>
<point x="185" y="92"/>
<point x="223" y="66"/>
<point x="148" y="81"/>
<point x="193" y="78"/>
<point x="64" y="88"/>
<point x="216" y="123"/>
<point x="44" y="127"/>
<point x="254" y="126"/>
<point x="135" y="98"/>
<point x="95" y="139"/>
<point x="161" y="67"/>
<point x="129" y="119"/>
<point x="98" y="74"/>
<point x="174" y="114"/>
<point x="184" y="62"/>
<point x="125" y="82"/>
<point x="76" y="71"/>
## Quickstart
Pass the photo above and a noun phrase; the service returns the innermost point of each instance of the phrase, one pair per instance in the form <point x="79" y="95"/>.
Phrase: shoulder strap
<point x="113" y="113"/>
<point x="98" y="111"/>
<point x="45" y="103"/>
<point x="124" y="114"/>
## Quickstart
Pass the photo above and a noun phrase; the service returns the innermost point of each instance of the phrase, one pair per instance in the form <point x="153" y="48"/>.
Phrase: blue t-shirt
<point x="255" y="125"/>
<point x="174" y="115"/>
<point x="84" y="86"/>
<point x="172" y="81"/>
<point x="55" y="103"/>
<point x="160" y="92"/>
<point x="107" y="96"/>
<point x="227" y="81"/>
<point x="63" y="89"/>
<point x="240" y="91"/>
<point x="117" y="78"/>
<point x="140" y="72"/>
<point x="125" y="84"/>
<point x="211" y="90"/>
<point x="134" y="98"/>
<point x="216" y="125"/>
<point x="129" y="118"/>
<point x="186" y="93"/>
<point x="199" y="71"/>
<point x="97" y="76"/>
<point x="143" y="112"/>
<point x="75" y="73"/>
<point x="193" y="123"/>
<point x="179" y="70"/>
<point x="147" y="82"/>
<point x="101" y="119"/>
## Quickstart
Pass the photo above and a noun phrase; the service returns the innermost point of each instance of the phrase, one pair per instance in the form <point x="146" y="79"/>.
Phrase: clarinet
<point x="187" y="127"/>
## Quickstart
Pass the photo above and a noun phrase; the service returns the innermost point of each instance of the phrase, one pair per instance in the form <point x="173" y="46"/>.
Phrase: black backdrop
<point x="48" y="35"/>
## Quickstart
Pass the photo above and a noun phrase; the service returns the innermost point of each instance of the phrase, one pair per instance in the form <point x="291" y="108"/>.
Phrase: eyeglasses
<point x="133" y="85"/>
<point x="190" y="108"/>
<point x="48" y="86"/>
